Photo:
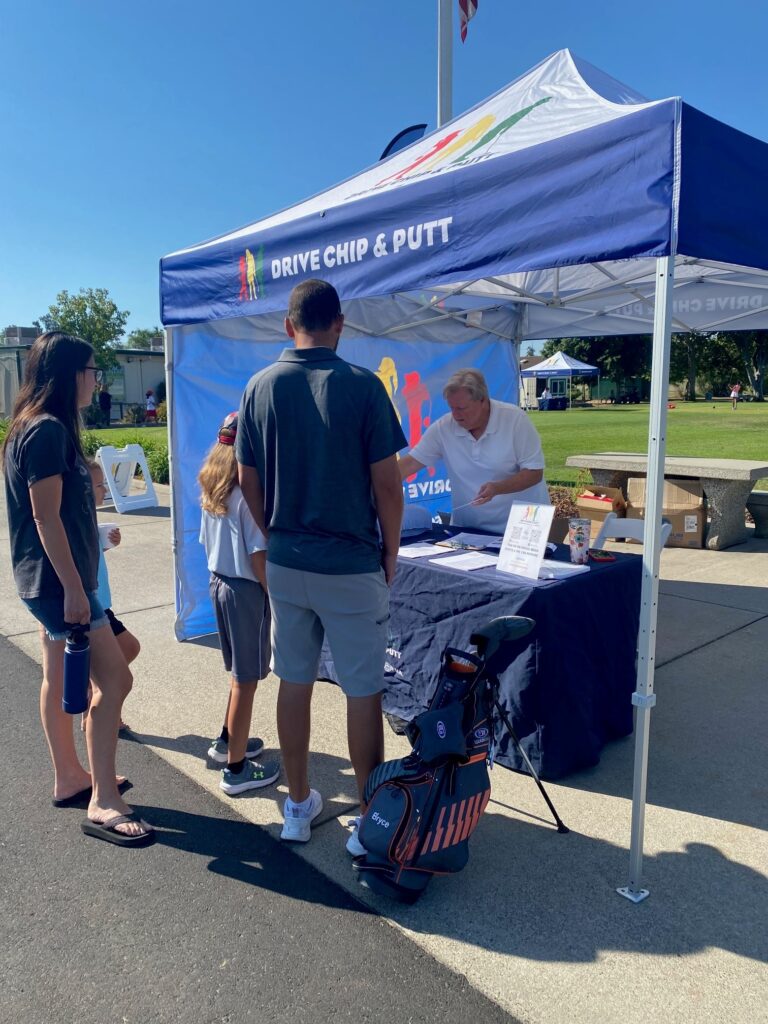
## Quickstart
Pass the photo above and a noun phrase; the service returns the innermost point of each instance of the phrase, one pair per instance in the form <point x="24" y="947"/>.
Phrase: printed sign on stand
<point x="525" y="539"/>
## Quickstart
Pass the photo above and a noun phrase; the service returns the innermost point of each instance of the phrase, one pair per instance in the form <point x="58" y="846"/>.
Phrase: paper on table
<point x="470" y="540"/>
<point x="468" y="560"/>
<point x="416" y="550"/>
<point x="551" y="569"/>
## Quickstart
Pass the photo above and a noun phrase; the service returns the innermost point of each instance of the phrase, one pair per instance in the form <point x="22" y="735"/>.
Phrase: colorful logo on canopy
<point x="252" y="275"/>
<point x="465" y="147"/>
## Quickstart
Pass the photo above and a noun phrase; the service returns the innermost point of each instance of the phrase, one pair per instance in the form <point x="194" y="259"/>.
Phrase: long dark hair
<point x="50" y="384"/>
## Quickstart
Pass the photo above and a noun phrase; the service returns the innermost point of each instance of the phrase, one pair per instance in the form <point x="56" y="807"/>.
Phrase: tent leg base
<point x="633" y="895"/>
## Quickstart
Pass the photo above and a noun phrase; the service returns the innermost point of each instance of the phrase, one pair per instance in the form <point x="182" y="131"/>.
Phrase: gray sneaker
<point x="253" y="776"/>
<point x="219" y="750"/>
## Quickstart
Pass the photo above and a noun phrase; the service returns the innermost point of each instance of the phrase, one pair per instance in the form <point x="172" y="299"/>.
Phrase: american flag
<point x="467" y="11"/>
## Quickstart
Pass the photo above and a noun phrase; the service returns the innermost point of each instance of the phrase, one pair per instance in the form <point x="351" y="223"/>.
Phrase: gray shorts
<point x="243" y="623"/>
<point x="351" y="610"/>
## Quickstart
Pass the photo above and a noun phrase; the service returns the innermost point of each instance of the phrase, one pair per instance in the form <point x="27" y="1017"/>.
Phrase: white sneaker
<point x="297" y="827"/>
<point x="354" y="847"/>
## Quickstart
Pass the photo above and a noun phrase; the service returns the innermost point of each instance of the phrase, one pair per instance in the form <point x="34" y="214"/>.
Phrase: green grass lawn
<point x="119" y="437"/>
<point x="693" y="428"/>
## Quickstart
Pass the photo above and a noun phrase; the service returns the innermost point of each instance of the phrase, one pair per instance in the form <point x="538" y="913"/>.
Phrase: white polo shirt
<point x="510" y="443"/>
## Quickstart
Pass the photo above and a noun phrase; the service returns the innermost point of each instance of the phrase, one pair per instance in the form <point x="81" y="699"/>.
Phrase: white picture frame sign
<point x="525" y="540"/>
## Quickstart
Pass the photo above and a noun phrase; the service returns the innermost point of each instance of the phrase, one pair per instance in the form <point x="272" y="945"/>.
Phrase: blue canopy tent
<point x="559" y="366"/>
<point x="565" y="205"/>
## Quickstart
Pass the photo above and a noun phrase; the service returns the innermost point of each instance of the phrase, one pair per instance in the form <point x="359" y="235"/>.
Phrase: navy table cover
<point x="567" y="686"/>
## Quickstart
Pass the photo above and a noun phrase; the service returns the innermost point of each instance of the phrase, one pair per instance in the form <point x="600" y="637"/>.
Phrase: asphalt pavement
<point x="217" y="922"/>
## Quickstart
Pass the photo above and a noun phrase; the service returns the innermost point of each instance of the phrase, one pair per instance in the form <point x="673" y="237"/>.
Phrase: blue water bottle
<point x="77" y="671"/>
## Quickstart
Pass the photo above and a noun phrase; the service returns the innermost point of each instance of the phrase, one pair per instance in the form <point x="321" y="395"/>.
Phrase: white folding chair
<point x="119" y="466"/>
<point x="617" y="528"/>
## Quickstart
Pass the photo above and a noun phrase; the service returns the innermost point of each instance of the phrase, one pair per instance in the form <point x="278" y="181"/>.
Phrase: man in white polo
<point x="492" y="452"/>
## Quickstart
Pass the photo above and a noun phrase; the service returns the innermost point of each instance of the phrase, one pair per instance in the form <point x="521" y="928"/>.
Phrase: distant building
<point x="138" y="370"/>
<point x="18" y="335"/>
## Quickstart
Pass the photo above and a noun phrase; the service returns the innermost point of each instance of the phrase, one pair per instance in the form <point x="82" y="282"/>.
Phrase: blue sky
<point x="130" y="130"/>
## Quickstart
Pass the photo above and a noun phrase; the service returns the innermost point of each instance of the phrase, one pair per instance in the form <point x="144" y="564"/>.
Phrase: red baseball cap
<point x="228" y="429"/>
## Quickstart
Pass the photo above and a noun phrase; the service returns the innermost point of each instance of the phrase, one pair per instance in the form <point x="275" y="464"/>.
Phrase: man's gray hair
<point x="470" y="380"/>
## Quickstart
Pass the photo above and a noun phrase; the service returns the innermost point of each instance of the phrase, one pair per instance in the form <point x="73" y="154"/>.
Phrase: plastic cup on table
<point x="578" y="540"/>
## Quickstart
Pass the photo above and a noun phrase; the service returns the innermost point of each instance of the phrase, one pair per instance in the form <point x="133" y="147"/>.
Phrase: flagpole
<point x="444" y="61"/>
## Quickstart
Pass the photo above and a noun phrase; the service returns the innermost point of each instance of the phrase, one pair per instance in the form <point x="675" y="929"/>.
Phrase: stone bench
<point x="726" y="483"/>
<point x="757" y="505"/>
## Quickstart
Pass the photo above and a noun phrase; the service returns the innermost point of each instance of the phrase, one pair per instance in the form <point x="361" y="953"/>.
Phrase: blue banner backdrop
<point x="210" y="373"/>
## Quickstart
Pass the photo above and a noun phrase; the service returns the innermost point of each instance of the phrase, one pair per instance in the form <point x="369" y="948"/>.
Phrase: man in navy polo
<point x="317" y="450"/>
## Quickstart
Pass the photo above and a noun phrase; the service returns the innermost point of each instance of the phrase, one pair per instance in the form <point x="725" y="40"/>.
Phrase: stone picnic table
<point x="726" y="483"/>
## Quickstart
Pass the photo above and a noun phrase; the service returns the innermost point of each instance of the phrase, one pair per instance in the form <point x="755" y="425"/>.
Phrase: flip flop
<point x="107" y="831"/>
<point x="82" y="798"/>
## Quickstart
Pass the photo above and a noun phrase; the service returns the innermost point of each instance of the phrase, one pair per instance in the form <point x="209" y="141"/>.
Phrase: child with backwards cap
<point x="236" y="552"/>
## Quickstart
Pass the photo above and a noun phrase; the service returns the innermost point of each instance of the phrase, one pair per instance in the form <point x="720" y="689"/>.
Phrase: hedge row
<point x="156" y="450"/>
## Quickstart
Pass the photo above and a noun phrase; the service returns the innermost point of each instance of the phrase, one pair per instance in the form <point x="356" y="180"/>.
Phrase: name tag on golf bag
<point x="423" y="808"/>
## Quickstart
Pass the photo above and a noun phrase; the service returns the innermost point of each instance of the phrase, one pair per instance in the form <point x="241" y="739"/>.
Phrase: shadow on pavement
<point x="707" y="744"/>
<point x="553" y="899"/>
<point x="189" y="743"/>
<point x="245" y="853"/>
<point x="154" y="512"/>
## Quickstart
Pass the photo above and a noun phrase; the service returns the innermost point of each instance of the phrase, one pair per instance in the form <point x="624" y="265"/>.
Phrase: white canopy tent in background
<point x="565" y="205"/>
<point x="561" y="365"/>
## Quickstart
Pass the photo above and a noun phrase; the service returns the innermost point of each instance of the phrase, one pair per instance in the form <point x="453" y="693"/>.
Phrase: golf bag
<point x="422" y="809"/>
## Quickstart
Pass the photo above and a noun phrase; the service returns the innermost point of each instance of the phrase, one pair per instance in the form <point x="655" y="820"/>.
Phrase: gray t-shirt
<point x="312" y="425"/>
<point x="43" y="449"/>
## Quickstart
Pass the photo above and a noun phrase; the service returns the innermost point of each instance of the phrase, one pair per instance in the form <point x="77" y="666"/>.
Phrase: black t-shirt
<point x="43" y="449"/>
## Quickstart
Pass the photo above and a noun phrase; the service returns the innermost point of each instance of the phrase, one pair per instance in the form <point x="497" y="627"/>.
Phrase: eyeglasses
<point x="98" y="375"/>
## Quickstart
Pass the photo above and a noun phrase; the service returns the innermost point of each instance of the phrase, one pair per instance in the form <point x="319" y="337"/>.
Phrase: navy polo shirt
<point x="311" y="425"/>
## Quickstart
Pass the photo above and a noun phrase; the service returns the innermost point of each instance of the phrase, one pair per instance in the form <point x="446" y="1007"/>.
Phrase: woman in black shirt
<point x="55" y="555"/>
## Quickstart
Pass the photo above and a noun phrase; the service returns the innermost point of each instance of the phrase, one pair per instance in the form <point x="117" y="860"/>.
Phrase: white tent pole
<point x="444" y="61"/>
<point x="177" y="517"/>
<point x="517" y="341"/>
<point x="644" y="698"/>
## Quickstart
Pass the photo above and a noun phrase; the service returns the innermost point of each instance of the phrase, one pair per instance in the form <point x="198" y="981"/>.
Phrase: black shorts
<point x="114" y="622"/>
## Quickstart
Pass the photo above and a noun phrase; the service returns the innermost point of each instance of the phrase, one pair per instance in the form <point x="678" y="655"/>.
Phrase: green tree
<point x="752" y="348"/>
<point x="717" y="365"/>
<point x="142" y="337"/>
<point x="91" y="315"/>
<point x="689" y="353"/>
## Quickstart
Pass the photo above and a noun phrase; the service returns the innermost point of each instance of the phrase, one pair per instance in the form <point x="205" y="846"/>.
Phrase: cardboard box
<point x="595" y="504"/>
<point x="683" y="505"/>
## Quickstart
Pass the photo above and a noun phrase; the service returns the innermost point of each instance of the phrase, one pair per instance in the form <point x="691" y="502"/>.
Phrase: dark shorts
<point x="49" y="612"/>
<point x="243" y="622"/>
<point x="115" y="623"/>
